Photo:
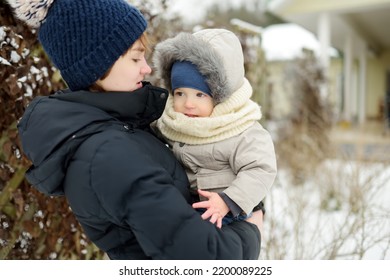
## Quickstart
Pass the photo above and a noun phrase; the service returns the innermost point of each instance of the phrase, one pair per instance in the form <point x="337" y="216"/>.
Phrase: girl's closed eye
<point x="137" y="57"/>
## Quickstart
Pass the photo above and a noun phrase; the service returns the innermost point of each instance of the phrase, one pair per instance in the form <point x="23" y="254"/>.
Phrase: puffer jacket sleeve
<point x="254" y="162"/>
<point x="143" y="196"/>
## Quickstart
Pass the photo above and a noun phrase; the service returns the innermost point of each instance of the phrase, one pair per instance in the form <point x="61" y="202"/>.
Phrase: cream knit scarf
<point x="228" y="119"/>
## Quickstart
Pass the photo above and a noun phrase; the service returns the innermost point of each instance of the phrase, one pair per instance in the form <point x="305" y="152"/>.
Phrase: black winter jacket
<point x="123" y="184"/>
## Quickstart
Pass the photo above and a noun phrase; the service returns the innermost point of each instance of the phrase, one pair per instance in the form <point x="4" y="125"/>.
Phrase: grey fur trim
<point x="32" y="12"/>
<point x="186" y="47"/>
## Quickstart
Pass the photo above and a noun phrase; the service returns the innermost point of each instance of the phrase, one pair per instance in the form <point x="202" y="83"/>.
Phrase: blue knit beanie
<point x="83" y="38"/>
<point x="185" y="74"/>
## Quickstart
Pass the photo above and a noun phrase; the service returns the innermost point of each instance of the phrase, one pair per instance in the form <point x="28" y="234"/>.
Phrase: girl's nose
<point x="146" y="69"/>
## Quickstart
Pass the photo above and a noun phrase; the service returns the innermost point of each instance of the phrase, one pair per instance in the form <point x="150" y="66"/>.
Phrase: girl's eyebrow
<point x="138" y="49"/>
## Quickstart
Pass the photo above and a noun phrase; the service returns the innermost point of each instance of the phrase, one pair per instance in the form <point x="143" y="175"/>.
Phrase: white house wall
<point x="280" y="88"/>
<point x="366" y="61"/>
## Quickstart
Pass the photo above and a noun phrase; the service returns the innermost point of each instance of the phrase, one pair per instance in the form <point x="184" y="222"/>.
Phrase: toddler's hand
<point x="216" y="207"/>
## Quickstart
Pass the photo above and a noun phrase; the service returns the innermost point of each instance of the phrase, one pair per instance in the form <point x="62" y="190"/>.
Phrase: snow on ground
<point x="342" y="212"/>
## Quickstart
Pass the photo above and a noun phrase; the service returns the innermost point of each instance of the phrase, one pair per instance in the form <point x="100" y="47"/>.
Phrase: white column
<point x="324" y="33"/>
<point x="354" y="96"/>
<point x="362" y="84"/>
<point x="324" y="38"/>
<point x="347" y="78"/>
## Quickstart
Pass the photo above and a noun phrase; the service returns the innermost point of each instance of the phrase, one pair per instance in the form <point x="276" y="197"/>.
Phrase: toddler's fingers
<point x="202" y="204"/>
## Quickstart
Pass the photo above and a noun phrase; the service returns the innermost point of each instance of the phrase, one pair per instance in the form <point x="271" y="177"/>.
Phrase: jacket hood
<point x="53" y="127"/>
<point x="216" y="52"/>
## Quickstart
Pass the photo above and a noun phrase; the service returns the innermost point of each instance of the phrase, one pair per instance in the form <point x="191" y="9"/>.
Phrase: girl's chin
<point x="137" y="86"/>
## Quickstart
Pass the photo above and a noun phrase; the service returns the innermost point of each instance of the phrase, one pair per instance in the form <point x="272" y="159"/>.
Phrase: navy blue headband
<point x="184" y="74"/>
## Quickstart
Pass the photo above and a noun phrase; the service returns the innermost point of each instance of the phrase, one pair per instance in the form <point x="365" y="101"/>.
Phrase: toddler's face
<point x="192" y="103"/>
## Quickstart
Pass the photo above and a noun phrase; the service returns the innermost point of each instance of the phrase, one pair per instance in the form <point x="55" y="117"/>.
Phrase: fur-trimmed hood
<point x="216" y="52"/>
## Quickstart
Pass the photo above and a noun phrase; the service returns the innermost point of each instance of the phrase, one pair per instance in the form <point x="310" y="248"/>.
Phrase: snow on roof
<point x="286" y="41"/>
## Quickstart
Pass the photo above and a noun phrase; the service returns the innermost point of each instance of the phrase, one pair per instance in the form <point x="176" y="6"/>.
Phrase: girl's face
<point x="128" y="71"/>
<point x="192" y="103"/>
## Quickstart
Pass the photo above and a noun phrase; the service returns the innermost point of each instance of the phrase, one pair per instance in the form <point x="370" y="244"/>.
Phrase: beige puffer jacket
<point x="242" y="166"/>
